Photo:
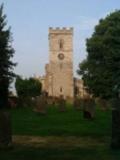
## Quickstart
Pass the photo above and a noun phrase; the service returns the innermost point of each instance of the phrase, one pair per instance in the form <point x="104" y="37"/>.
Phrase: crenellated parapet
<point x="63" y="30"/>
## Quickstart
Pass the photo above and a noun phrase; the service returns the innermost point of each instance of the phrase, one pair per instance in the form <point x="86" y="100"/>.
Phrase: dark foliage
<point x="6" y="65"/>
<point x="28" y="87"/>
<point x="101" y="69"/>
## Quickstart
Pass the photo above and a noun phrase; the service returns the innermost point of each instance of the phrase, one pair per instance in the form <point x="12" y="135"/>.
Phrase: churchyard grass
<point x="55" y="123"/>
<point x="60" y="136"/>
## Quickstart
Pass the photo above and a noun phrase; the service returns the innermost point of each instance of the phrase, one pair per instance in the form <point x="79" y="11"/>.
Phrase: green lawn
<point x="69" y="123"/>
<point x="60" y="136"/>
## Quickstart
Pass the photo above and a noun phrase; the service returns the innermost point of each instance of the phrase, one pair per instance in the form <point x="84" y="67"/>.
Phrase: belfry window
<point x="60" y="89"/>
<point x="61" y="44"/>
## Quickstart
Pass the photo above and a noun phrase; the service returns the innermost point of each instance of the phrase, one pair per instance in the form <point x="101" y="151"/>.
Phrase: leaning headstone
<point x="62" y="104"/>
<point x="5" y="129"/>
<point x="89" y="108"/>
<point x="41" y="105"/>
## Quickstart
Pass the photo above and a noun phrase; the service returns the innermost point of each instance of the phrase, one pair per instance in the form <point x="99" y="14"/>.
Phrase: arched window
<point x="60" y="89"/>
<point x="61" y="43"/>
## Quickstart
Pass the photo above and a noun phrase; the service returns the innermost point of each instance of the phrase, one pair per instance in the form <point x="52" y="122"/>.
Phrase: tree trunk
<point x="115" y="142"/>
<point x="5" y="129"/>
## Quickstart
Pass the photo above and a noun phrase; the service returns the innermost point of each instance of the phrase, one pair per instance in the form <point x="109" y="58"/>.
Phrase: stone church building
<point x="58" y="79"/>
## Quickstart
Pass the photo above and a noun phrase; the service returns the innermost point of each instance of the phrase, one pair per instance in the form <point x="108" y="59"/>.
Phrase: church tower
<point x="60" y="68"/>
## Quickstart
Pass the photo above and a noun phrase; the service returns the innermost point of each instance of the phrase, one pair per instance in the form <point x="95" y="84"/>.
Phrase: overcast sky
<point x="30" y="20"/>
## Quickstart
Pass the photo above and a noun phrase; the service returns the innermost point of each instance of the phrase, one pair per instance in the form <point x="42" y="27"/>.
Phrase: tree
<point x="27" y="88"/>
<point x="6" y="65"/>
<point x="6" y="76"/>
<point x="101" y="69"/>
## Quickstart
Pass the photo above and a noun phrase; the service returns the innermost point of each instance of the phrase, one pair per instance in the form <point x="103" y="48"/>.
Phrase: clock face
<point x="61" y="56"/>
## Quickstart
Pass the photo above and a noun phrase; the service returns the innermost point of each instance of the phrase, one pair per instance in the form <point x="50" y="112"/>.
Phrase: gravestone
<point x="41" y="104"/>
<point x="54" y="101"/>
<point x="5" y="129"/>
<point x="89" y="108"/>
<point x="115" y="142"/>
<point x="78" y="103"/>
<point x="103" y="104"/>
<point x="62" y="104"/>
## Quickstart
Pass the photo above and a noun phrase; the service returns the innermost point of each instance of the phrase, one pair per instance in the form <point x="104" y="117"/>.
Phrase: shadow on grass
<point x="69" y="139"/>
<point x="21" y="152"/>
